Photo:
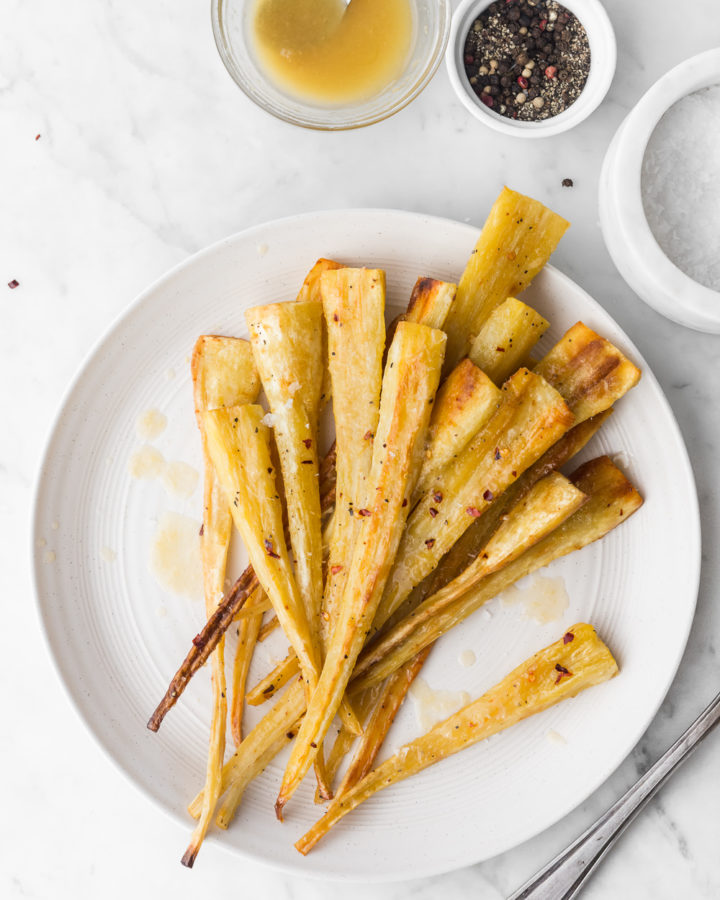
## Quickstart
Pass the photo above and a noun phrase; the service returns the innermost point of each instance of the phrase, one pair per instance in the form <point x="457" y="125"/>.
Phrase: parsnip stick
<point x="354" y="308"/>
<point x="530" y="418"/>
<point x="392" y="694"/>
<point x="516" y="241"/>
<point x="204" y="643"/>
<point x="248" y="629"/>
<point x="268" y="628"/>
<point x="464" y="551"/>
<point x="277" y="678"/>
<point x="505" y="340"/>
<point x="222" y="372"/>
<point x="410" y="381"/>
<point x="466" y="400"/>
<point x="430" y="302"/>
<point x="547" y="504"/>
<point x="612" y="499"/>
<point x="310" y="289"/>
<point x="287" y="344"/>
<point x="578" y="660"/>
<point x="588" y="371"/>
<point x="239" y="446"/>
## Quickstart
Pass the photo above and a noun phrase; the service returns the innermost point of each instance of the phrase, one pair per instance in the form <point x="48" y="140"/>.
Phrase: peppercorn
<point x="524" y="51"/>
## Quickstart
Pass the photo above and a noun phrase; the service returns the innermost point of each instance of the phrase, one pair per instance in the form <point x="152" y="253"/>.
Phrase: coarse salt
<point x="681" y="185"/>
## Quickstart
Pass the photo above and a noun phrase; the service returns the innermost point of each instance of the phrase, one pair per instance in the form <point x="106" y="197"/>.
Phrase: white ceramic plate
<point x="116" y="650"/>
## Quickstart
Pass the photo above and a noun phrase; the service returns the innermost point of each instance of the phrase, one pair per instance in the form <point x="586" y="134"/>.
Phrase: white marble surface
<point x="148" y="152"/>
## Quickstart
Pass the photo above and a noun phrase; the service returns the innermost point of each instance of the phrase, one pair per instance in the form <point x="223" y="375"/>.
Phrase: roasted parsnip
<point x="546" y="505"/>
<point x="287" y="343"/>
<point x="354" y="308"/>
<point x="223" y="373"/>
<point x="530" y="418"/>
<point x="466" y="400"/>
<point x="239" y="445"/>
<point x="611" y="500"/>
<point x="409" y="385"/>
<point x="516" y="241"/>
<point x="390" y="699"/>
<point x="578" y="660"/>
<point x="588" y="371"/>
<point x="506" y="338"/>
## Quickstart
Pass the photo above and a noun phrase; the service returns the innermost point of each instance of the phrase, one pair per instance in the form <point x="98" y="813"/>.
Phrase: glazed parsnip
<point x="239" y="446"/>
<point x="430" y="302"/>
<point x="276" y="679"/>
<point x="310" y="289"/>
<point x="515" y="243"/>
<point x="465" y="550"/>
<point x="245" y="764"/>
<point x="386" y="707"/>
<point x="354" y="308"/>
<point x="506" y="338"/>
<point x="287" y="342"/>
<point x="409" y="385"/>
<point x="545" y="506"/>
<point x="578" y="660"/>
<point x="466" y="400"/>
<point x="248" y="629"/>
<point x="588" y="371"/>
<point x="611" y="500"/>
<point x="530" y="418"/>
<point x="223" y="373"/>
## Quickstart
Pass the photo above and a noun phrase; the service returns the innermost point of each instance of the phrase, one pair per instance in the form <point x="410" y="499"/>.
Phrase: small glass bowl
<point x="232" y="28"/>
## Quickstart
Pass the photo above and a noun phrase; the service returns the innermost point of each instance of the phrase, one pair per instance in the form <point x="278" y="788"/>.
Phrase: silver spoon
<point x="564" y="877"/>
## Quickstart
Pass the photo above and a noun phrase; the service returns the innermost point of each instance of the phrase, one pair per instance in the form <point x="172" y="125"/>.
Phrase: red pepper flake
<point x="437" y="497"/>
<point x="364" y="512"/>
<point x="269" y="549"/>
<point x="404" y="503"/>
<point x="313" y="744"/>
<point x="368" y="436"/>
<point x="430" y="543"/>
<point x="308" y="442"/>
<point x="37" y="137"/>
<point x="500" y="349"/>
<point x="433" y="512"/>
<point x="336" y="318"/>
<point x="13" y="284"/>
<point x="488" y="496"/>
<point x="199" y="640"/>
<point x="473" y="511"/>
<point x="202" y="530"/>
<point x="497" y="453"/>
<point x="514" y="473"/>
<point x="306" y="462"/>
<point x="562" y="672"/>
<point x="335" y="569"/>
<point x="269" y="689"/>
<point x="543" y="23"/>
<point x="567" y="638"/>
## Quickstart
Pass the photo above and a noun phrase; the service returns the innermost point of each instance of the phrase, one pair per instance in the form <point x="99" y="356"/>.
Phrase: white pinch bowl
<point x="603" y="56"/>
<point x="628" y="237"/>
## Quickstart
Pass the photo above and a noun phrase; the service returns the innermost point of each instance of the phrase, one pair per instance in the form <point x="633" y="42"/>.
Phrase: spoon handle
<point x="563" y="878"/>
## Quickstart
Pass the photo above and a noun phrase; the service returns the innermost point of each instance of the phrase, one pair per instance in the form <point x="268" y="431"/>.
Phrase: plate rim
<point x="372" y="214"/>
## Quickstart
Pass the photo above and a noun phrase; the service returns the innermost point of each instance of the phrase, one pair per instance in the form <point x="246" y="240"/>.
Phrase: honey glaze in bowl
<point x="328" y="65"/>
<point x="328" y="52"/>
